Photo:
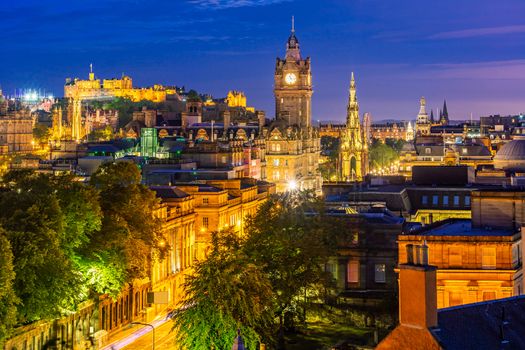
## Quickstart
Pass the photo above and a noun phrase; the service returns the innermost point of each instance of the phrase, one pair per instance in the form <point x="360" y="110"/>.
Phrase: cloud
<point x="226" y="4"/>
<point x="509" y="69"/>
<point x="476" y="32"/>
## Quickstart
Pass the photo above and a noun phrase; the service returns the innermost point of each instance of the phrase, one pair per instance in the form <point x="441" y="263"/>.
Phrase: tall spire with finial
<point x="292" y="45"/>
<point x="352" y="117"/>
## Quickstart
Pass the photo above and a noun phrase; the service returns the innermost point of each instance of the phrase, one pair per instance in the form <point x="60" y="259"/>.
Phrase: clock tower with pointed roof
<point x="293" y="86"/>
<point x="293" y="146"/>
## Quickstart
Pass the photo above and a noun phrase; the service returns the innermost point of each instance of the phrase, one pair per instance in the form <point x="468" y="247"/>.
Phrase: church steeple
<point x="432" y="116"/>
<point x="292" y="45"/>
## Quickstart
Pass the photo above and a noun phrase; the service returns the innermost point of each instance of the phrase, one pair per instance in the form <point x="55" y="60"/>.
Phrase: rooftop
<point x="169" y="192"/>
<point x="458" y="227"/>
<point x="495" y="324"/>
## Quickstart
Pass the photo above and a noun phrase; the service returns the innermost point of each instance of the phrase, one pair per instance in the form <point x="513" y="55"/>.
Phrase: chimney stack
<point x="417" y="289"/>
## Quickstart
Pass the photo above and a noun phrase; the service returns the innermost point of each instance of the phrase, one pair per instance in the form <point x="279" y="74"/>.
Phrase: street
<point x="141" y="337"/>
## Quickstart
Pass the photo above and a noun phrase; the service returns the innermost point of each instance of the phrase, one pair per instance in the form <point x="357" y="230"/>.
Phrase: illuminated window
<point x="464" y="150"/>
<point x="223" y="159"/>
<point x="276" y="175"/>
<point x="445" y="201"/>
<point x="205" y="222"/>
<point x="428" y="150"/>
<point x="380" y="273"/>
<point x="424" y="200"/>
<point x="435" y="200"/>
<point x="205" y="200"/>
<point x="488" y="258"/>
<point x="278" y="147"/>
<point x="276" y="162"/>
<point x="456" y="201"/>
<point x="352" y="273"/>
<point x="467" y="201"/>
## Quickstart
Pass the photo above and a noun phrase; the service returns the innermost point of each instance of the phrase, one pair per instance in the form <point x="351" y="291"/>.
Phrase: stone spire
<point x="352" y="116"/>
<point x="292" y="45"/>
<point x="443" y="118"/>
<point x="432" y="116"/>
<point x="445" y="111"/>
<point x="353" y="151"/>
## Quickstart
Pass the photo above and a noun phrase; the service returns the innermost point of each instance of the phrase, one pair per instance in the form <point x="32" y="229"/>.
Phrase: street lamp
<point x="153" y="332"/>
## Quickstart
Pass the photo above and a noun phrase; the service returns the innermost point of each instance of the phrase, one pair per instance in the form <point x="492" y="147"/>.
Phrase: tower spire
<point x="353" y="107"/>
<point x="292" y="45"/>
<point x="91" y="74"/>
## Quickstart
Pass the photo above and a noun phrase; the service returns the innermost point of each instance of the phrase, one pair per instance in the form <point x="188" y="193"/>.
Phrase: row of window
<point x="277" y="162"/>
<point x="445" y="200"/>
<point x="488" y="257"/>
<point x="352" y="272"/>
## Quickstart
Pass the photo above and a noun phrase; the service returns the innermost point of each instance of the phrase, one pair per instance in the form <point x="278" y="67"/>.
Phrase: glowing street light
<point x="292" y="185"/>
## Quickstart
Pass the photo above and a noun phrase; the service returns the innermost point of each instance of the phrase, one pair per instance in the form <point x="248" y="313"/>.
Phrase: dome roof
<point x="513" y="150"/>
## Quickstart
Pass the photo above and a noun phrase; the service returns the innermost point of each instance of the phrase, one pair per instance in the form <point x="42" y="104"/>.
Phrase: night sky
<point x="471" y="52"/>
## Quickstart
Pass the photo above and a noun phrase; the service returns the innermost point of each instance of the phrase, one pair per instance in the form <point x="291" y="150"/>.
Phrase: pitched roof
<point x="496" y="324"/>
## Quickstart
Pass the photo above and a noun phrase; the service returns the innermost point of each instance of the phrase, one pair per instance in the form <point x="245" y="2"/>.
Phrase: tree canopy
<point x="254" y="281"/>
<point x="8" y="298"/>
<point x="227" y="292"/>
<point x="66" y="241"/>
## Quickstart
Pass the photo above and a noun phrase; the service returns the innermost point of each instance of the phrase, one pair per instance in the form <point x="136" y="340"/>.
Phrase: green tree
<point x="46" y="281"/>
<point x="130" y="233"/>
<point x="227" y="292"/>
<point x="104" y="134"/>
<point x="8" y="299"/>
<point x="41" y="134"/>
<point x="330" y="150"/>
<point x="290" y="239"/>
<point x="381" y="155"/>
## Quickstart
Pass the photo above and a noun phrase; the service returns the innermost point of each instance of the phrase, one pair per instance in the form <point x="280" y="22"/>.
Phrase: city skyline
<point x="469" y="55"/>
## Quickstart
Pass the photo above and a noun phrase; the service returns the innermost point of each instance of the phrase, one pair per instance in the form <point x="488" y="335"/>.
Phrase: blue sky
<point x="471" y="52"/>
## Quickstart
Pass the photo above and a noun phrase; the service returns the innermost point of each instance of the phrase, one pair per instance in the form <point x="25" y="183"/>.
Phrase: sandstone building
<point x="292" y="144"/>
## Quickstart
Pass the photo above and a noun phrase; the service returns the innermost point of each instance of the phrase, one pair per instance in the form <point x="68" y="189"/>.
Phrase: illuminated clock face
<point x="290" y="78"/>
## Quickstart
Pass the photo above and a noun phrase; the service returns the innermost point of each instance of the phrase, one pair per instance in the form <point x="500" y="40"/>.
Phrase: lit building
<point x="16" y="131"/>
<point x="393" y="131"/>
<point x="109" y="88"/>
<point x="331" y="129"/>
<point x="432" y="151"/>
<point x="292" y="144"/>
<point x="473" y="263"/>
<point x="494" y="324"/>
<point x="423" y="123"/>
<point x="353" y="152"/>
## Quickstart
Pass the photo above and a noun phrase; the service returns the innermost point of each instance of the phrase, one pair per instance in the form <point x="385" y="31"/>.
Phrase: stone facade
<point x="292" y="146"/>
<point x="353" y="153"/>
<point x="16" y="132"/>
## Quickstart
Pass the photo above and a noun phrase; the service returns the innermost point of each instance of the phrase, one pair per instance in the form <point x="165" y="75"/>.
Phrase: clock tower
<point x="293" y="86"/>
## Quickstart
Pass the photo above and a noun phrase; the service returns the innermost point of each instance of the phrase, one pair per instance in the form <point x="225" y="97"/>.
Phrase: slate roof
<point x="169" y="192"/>
<point x="495" y="324"/>
<point x="460" y="227"/>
